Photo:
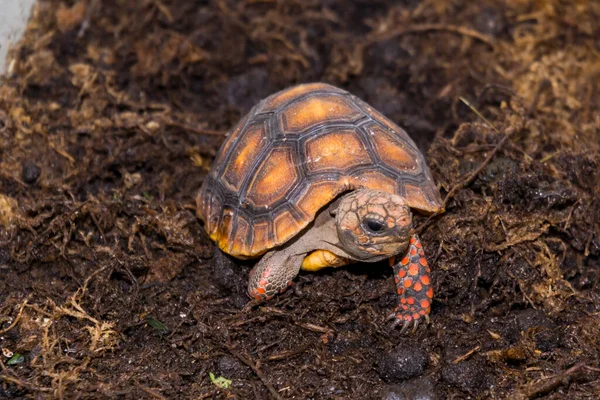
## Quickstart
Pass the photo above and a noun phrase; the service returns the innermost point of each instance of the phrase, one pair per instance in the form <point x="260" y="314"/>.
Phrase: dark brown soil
<point x="111" y="114"/>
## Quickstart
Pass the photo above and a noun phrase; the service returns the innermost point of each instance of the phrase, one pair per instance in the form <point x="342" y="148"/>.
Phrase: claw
<point x="396" y="322"/>
<point x="416" y="326"/>
<point x="404" y="327"/>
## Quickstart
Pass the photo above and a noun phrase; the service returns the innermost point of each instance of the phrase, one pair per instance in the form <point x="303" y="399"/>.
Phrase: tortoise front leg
<point x="273" y="274"/>
<point x="413" y="284"/>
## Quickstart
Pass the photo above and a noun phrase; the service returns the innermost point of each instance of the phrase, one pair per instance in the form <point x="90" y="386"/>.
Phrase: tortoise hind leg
<point x="273" y="274"/>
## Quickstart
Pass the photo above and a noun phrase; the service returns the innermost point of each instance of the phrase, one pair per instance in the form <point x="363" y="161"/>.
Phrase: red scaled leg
<point x="413" y="284"/>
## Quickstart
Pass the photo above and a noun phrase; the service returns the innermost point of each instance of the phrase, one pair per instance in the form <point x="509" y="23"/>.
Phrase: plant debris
<point x="112" y="112"/>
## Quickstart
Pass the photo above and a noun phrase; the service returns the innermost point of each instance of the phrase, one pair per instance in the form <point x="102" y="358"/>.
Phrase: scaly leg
<point x="273" y="274"/>
<point x="413" y="284"/>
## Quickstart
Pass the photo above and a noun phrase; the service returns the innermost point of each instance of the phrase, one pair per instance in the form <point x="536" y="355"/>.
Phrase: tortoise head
<point x="373" y="225"/>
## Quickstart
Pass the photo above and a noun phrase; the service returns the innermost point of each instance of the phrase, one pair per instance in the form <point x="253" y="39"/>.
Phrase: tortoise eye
<point x="374" y="225"/>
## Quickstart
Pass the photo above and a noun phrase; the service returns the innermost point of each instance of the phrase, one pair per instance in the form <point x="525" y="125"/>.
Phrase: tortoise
<point x="314" y="177"/>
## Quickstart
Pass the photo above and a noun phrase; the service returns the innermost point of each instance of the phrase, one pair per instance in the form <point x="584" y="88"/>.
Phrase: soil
<point x="111" y="113"/>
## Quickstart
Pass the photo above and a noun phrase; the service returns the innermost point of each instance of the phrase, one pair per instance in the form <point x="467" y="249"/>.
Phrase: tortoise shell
<point x="294" y="153"/>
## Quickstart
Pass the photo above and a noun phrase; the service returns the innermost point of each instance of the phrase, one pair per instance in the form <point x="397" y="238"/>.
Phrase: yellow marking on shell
<point x="240" y="243"/>
<point x="337" y="151"/>
<point x="261" y="240"/>
<point x="320" y="259"/>
<point x="274" y="178"/>
<point x="315" y="110"/>
<point x="224" y="232"/>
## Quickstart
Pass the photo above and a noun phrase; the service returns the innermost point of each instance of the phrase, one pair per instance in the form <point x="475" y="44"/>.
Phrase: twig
<point x="254" y="368"/>
<point x="549" y="384"/>
<point x="435" y="27"/>
<point x="466" y="355"/>
<point x="314" y="328"/>
<point x="16" y="321"/>
<point x="284" y="355"/>
<point x="11" y="378"/>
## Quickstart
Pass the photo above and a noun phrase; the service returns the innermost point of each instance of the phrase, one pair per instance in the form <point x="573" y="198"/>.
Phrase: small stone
<point x="403" y="363"/>
<point x="230" y="368"/>
<point x="30" y="172"/>
<point x="152" y="126"/>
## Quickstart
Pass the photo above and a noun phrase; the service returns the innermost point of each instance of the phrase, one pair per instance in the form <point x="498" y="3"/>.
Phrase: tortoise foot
<point x="413" y="286"/>
<point x="273" y="274"/>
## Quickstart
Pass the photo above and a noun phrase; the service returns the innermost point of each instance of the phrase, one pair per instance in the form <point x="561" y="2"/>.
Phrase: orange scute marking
<point x="423" y="261"/>
<point x="416" y="316"/>
<point x="416" y="198"/>
<point x="316" y="110"/>
<point x="403" y="300"/>
<point x="413" y="251"/>
<point x="430" y="292"/>
<point x="317" y="195"/>
<point x="408" y="282"/>
<point x="285" y="226"/>
<point x="411" y="300"/>
<point x="239" y="245"/>
<point x="405" y="308"/>
<point x="405" y="261"/>
<point x="418" y="244"/>
<point x="275" y="177"/>
<point x="261" y="290"/>
<point x="413" y="269"/>
<point x="425" y="303"/>
<point x="280" y="98"/>
<point x="244" y="155"/>
<point x="336" y="151"/>
<point x="417" y="287"/>
<point x="400" y="290"/>
<point x="425" y="280"/>
<point x="407" y="318"/>
<point x="412" y="240"/>
<point x="422" y="312"/>
<point x="402" y="273"/>
<point x="224" y="232"/>
<point x="261" y="237"/>
<point x="373" y="180"/>
<point x="393" y="151"/>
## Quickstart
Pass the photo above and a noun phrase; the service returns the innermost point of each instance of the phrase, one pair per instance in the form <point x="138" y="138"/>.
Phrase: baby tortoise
<point x="313" y="177"/>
